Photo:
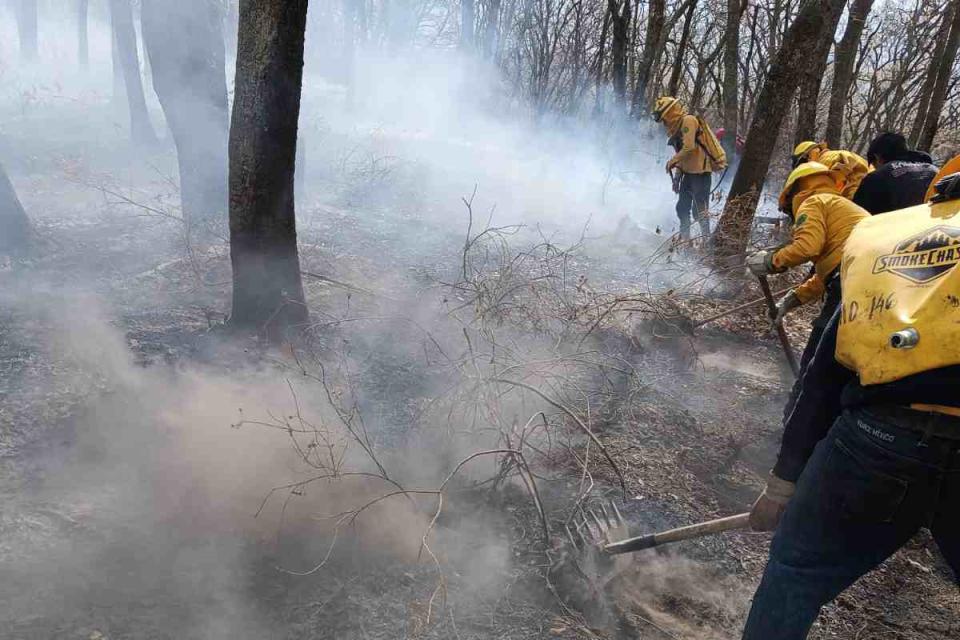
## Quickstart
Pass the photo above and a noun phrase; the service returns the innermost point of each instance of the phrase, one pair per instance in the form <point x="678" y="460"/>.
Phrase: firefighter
<point x="698" y="154"/>
<point x="822" y="221"/>
<point x="846" y="164"/>
<point x="901" y="178"/>
<point x="871" y="452"/>
<point x="807" y="151"/>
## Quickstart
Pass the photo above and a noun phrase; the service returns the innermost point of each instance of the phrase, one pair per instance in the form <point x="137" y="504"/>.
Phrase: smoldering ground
<point x="130" y="513"/>
<point x="157" y="503"/>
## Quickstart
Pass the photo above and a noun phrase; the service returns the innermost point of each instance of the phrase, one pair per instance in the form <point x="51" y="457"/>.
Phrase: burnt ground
<point x="86" y="552"/>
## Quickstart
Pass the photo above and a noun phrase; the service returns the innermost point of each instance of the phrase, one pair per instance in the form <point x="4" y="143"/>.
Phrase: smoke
<point x="161" y="493"/>
<point x="684" y="596"/>
<point x="441" y="123"/>
<point x="142" y="511"/>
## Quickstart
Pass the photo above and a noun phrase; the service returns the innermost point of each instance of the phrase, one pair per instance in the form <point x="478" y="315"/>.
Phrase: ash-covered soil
<point x="101" y="536"/>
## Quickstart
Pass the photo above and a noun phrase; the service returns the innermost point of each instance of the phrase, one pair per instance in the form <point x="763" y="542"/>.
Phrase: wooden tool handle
<point x="741" y="307"/>
<point x="739" y="521"/>
<point x="781" y="332"/>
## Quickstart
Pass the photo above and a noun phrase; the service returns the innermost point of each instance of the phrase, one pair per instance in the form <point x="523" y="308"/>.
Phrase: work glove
<point x="760" y="263"/>
<point x="671" y="165"/>
<point x="785" y="305"/>
<point x="768" y="509"/>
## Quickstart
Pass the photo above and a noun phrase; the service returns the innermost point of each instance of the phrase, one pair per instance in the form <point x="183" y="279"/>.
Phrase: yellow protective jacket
<point x="690" y="156"/>
<point x="847" y="166"/>
<point x="823" y="220"/>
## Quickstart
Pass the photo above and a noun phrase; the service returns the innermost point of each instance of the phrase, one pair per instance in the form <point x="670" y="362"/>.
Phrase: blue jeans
<point x="868" y="488"/>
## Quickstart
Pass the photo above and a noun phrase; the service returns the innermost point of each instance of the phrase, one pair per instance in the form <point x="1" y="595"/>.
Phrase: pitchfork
<point x="603" y="531"/>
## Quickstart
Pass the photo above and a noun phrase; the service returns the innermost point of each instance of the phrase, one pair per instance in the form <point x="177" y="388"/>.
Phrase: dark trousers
<point x="870" y="485"/>
<point x="831" y="301"/>
<point x="694" y="200"/>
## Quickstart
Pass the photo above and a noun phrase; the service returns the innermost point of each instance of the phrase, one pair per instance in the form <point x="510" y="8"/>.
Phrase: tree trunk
<point x="655" y="21"/>
<point x="267" y="291"/>
<point x="492" y="30"/>
<point x="83" y="46"/>
<point x="620" y="17"/>
<point x="945" y="70"/>
<point x="811" y="78"/>
<point x="674" y="84"/>
<point x="125" y="41"/>
<point x="350" y="8"/>
<point x="930" y="79"/>
<point x="119" y="96"/>
<point x="185" y="43"/>
<point x="468" y="19"/>
<point x="844" y="59"/>
<point x="15" y="230"/>
<point x="773" y="104"/>
<point x="598" y="69"/>
<point x="731" y="51"/>
<point x="27" y="29"/>
<point x="400" y="23"/>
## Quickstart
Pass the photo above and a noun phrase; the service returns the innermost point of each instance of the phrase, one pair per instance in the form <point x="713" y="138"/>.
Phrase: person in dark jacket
<point x="871" y="451"/>
<point x="901" y="178"/>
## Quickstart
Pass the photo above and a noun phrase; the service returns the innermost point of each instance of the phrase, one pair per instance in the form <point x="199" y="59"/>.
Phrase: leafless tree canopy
<point x="880" y="70"/>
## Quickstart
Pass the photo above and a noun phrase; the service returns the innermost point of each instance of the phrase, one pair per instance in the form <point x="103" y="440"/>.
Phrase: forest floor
<point x="115" y="369"/>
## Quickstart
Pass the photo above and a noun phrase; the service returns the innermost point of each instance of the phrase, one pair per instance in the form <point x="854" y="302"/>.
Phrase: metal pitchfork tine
<point x="601" y="530"/>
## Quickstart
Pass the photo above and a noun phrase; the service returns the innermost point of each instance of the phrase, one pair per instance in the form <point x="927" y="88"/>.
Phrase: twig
<point x="347" y="286"/>
<point x="577" y="420"/>
<point x="741" y="307"/>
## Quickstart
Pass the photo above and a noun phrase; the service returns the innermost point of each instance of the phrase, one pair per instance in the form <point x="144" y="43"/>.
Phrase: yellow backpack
<point x="707" y="140"/>
<point x="901" y="293"/>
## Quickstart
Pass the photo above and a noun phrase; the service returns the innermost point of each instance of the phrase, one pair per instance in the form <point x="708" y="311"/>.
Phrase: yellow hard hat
<point x="802" y="150"/>
<point x="662" y="105"/>
<point x="953" y="166"/>
<point x="804" y="170"/>
<point x="803" y="147"/>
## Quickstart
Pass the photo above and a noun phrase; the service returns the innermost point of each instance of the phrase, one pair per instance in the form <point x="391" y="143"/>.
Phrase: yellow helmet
<point x="663" y="105"/>
<point x="802" y="151"/>
<point x="805" y="170"/>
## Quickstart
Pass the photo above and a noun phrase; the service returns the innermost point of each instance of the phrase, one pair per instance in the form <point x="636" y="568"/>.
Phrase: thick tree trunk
<point x="773" y="104"/>
<point x="267" y="291"/>
<point x="811" y="78"/>
<point x="731" y="51"/>
<point x="27" y="29"/>
<point x="15" y="230"/>
<point x="185" y="43"/>
<point x="620" y="16"/>
<point x="844" y="59"/>
<point x="125" y="41"/>
<point x="945" y="70"/>
<point x="468" y="19"/>
<point x="655" y="22"/>
<point x="83" y="45"/>
<point x="674" y="84"/>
